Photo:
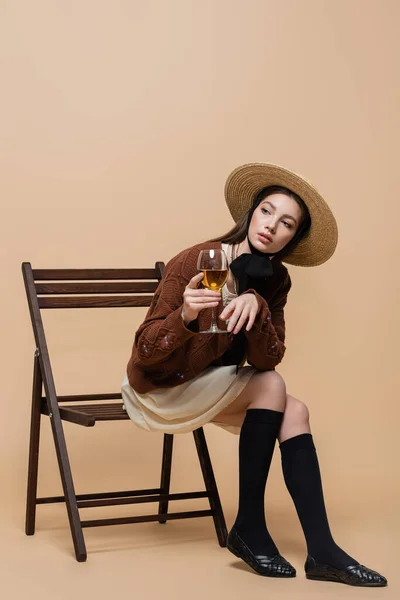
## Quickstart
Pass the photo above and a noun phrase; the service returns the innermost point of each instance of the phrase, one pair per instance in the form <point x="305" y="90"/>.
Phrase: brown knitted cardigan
<point x="167" y="353"/>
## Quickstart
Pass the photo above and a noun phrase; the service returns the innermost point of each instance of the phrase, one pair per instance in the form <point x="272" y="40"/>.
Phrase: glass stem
<point x="213" y="318"/>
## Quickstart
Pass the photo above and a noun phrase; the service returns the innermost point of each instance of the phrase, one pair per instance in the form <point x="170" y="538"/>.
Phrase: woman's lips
<point x="264" y="239"/>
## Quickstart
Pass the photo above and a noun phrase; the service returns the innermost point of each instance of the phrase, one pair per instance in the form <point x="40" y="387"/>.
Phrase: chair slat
<point x="190" y="514"/>
<point x="88" y="414"/>
<point x="142" y="499"/>
<point x="88" y="397"/>
<point x="94" y="412"/>
<point x="57" y="274"/>
<point x="79" y="418"/>
<point x="94" y="302"/>
<point x="98" y="409"/>
<point x="97" y="496"/>
<point x="132" y="287"/>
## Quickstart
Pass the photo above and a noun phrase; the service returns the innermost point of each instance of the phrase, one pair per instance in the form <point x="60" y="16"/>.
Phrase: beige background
<point x="120" y="122"/>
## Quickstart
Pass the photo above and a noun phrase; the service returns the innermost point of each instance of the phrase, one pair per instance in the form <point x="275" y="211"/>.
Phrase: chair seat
<point x="88" y="414"/>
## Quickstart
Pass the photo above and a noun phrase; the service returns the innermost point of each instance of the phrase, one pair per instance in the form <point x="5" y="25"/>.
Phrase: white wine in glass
<point x="214" y="264"/>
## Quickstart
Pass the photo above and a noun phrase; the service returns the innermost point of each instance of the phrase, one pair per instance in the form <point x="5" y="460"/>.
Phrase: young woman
<point x="179" y="378"/>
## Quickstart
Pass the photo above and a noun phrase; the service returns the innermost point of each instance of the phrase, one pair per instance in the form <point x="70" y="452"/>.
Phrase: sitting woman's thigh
<point x="265" y="386"/>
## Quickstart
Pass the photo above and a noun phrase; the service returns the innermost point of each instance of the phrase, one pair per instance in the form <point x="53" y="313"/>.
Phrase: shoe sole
<point x="263" y="574"/>
<point x="334" y="580"/>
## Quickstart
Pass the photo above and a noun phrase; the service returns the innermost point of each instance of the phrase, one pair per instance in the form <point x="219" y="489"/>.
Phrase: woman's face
<point x="274" y="223"/>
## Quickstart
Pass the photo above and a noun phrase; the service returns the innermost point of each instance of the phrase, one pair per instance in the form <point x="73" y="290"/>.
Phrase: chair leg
<point x="33" y="449"/>
<point x="68" y="487"/>
<point x="165" y="473"/>
<point x="211" y="486"/>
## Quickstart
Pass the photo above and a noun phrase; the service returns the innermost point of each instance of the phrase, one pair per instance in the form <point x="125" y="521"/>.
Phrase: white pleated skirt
<point x="190" y="405"/>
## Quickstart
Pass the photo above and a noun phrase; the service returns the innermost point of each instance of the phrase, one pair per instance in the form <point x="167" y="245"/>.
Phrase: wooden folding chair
<point x="61" y="288"/>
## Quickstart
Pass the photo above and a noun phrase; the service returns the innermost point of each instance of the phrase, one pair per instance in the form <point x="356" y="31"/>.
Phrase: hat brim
<point x="320" y="242"/>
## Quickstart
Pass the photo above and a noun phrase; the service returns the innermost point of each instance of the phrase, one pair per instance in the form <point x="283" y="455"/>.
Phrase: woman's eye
<point x="265" y="210"/>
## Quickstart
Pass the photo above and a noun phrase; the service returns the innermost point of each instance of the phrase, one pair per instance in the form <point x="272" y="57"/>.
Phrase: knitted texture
<point x="167" y="353"/>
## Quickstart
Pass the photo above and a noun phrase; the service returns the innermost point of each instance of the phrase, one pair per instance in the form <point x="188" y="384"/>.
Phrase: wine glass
<point x="214" y="265"/>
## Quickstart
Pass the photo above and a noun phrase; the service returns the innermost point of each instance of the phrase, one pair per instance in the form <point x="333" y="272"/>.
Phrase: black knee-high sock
<point x="303" y="479"/>
<point x="256" y="447"/>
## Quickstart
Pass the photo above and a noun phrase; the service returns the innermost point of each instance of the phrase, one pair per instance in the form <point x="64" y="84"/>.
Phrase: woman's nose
<point x="270" y="226"/>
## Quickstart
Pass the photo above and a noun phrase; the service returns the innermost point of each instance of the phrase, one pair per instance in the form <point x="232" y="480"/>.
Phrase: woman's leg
<point x="302" y="476"/>
<point x="264" y="400"/>
<point x="303" y="479"/>
<point x="296" y="419"/>
<point x="263" y="392"/>
<point x="265" y="389"/>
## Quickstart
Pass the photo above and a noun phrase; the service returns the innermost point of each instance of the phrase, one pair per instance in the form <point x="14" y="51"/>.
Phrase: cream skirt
<point x="190" y="405"/>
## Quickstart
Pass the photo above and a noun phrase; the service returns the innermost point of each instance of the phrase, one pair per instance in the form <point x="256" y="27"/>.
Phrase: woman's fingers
<point x="194" y="282"/>
<point x="191" y="296"/>
<point x="192" y="289"/>
<point x="252" y="318"/>
<point x="241" y="320"/>
<point x="231" y="312"/>
<point x="228" y="310"/>
<point x="196" y="299"/>
<point x="234" y="317"/>
<point x="197" y="306"/>
<point x="238" y="313"/>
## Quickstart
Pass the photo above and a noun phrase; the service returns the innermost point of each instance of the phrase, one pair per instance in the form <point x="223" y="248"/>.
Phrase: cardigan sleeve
<point x="163" y="331"/>
<point x="266" y="339"/>
<point x="163" y="340"/>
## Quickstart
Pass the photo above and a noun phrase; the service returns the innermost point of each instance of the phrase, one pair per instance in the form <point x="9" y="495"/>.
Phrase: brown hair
<point x="239" y="232"/>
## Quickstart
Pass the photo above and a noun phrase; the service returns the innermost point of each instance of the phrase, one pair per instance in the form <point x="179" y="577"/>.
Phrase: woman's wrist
<point x="184" y="318"/>
<point x="192" y="325"/>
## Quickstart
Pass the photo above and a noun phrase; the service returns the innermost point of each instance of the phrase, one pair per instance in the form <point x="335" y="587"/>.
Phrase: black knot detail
<point x="250" y="269"/>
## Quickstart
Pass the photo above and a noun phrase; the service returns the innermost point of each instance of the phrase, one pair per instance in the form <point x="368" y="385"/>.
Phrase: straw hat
<point x="319" y="243"/>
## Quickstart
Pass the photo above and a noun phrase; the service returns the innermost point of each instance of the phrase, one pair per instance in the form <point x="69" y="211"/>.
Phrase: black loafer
<point x="269" y="566"/>
<point x="352" y="575"/>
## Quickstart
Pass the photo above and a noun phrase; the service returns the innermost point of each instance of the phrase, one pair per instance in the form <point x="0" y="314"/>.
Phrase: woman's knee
<point x="296" y="410"/>
<point x="269" y="391"/>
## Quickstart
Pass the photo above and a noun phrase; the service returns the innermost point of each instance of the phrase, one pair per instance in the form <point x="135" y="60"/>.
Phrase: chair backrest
<point x="81" y="288"/>
<point x="91" y="288"/>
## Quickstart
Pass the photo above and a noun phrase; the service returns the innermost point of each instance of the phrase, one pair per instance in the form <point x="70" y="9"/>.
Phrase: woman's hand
<point x="195" y="299"/>
<point x="239" y="310"/>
